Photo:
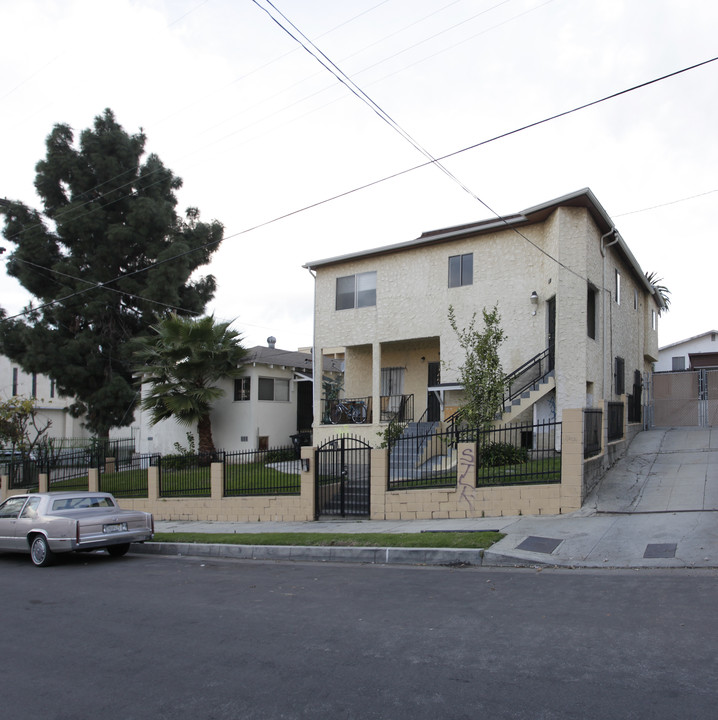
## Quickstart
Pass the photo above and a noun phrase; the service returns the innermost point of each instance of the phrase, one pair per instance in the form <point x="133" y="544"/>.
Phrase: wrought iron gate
<point x="343" y="468"/>
<point x="685" y="399"/>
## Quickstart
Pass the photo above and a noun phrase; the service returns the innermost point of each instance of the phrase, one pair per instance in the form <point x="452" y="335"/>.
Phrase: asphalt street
<point x="167" y="638"/>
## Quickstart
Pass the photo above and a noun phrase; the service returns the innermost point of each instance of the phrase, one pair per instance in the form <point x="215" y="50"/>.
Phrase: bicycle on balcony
<point x="349" y="411"/>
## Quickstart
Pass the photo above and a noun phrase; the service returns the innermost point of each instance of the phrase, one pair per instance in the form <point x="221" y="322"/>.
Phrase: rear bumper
<point x="92" y="542"/>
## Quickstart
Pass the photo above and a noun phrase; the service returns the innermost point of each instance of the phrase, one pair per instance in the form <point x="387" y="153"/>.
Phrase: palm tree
<point x="662" y="290"/>
<point x="182" y="362"/>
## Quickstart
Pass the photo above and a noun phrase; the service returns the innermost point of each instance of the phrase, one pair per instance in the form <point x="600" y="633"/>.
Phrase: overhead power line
<point x="392" y="176"/>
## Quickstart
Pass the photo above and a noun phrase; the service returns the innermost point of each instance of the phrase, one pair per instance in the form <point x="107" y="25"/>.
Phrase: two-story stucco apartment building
<point x="570" y="294"/>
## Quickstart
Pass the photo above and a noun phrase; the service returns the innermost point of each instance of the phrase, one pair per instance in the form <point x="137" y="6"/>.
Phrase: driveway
<point x="664" y="470"/>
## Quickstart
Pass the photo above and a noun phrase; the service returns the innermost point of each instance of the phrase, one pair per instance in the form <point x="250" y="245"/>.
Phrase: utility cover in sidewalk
<point x="539" y="544"/>
<point x="660" y="550"/>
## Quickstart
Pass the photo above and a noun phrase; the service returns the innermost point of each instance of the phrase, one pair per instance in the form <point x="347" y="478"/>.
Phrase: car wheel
<point x="40" y="551"/>
<point x="118" y="550"/>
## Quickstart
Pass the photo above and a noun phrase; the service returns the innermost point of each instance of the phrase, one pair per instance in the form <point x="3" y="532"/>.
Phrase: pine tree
<point x="106" y="258"/>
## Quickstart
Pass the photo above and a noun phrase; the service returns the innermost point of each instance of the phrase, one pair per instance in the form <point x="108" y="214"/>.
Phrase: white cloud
<point x="257" y="129"/>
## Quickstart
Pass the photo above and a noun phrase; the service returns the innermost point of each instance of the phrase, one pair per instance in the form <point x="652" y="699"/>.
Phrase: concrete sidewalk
<point x="657" y="507"/>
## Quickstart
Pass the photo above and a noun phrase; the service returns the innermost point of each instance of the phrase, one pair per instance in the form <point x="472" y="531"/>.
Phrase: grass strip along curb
<point x="459" y="540"/>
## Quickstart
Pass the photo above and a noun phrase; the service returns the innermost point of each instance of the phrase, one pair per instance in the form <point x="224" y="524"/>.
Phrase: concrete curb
<point x="378" y="556"/>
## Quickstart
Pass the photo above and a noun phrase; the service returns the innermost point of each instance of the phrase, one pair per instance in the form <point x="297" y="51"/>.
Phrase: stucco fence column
<point x="308" y="480"/>
<point x="4" y="486"/>
<point x="572" y="460"/>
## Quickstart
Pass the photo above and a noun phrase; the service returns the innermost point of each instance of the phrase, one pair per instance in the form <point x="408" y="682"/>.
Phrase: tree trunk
<point x="204" y="431"/>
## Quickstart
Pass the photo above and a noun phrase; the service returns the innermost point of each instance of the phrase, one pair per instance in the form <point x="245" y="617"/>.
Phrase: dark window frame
<point x="461" y="270"/>
<point x="263" y="386"/>
<point x="242" y="388"/>
<point x="349" y="293"/>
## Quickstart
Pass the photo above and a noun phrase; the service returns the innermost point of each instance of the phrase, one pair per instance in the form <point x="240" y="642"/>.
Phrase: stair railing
<point x="528" y="374"/>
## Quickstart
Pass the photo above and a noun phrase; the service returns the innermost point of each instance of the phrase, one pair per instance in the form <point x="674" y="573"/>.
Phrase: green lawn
<point x="546" y="470"/>
<point x="410" y="540"/>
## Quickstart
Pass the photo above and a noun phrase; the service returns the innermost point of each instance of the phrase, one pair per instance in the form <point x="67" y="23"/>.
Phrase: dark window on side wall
<point x="461" y="270"/>
<point x="591" y="313"/>
<point x="620" y="376"/>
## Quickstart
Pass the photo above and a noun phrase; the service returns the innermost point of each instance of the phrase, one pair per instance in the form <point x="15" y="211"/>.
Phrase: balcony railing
<point x="347" y="411"/>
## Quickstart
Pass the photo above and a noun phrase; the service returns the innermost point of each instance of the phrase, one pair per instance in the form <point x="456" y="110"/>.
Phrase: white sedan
<point x="43" y="524"/>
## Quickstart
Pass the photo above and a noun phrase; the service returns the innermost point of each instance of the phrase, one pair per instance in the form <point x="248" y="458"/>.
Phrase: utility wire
<point x="387" y="178"/>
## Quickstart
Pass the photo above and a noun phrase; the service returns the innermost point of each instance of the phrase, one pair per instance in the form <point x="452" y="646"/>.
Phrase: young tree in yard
<point x="182" y="362"/>
<point x="105" y="258"/>
<point x="481" y="374"/>
<point x="20" y="428"/>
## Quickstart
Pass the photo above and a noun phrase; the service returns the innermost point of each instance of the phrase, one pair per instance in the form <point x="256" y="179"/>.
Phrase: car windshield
<point x="82" y="501"/>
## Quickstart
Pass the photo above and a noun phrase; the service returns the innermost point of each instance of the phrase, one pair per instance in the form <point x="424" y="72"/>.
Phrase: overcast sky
<point x="256" y="128"/>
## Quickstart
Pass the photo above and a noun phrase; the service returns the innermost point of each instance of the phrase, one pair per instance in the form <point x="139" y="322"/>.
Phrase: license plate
<point x="115" y="528"/>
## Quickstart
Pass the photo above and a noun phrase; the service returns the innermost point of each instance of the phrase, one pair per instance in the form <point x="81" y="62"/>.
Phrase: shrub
<point x="496" y="454"/>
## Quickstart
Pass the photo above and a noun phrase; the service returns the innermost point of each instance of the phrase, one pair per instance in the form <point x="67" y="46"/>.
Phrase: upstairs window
<point x="618" y="287"/>
<point x="461" y="270"/>
<point x="242" y="387"/>
<point x="355" y="291"/>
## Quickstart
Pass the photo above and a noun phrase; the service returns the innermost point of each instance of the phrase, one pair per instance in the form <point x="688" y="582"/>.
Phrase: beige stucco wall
<point x="557" y="258"/>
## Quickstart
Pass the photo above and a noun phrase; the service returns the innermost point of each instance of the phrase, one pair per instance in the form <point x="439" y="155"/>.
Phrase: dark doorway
<point x="551" y="331"/>
<point x="433" y="406"/>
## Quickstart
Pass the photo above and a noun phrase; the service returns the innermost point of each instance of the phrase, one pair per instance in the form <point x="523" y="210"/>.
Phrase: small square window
<point x="355" y="291"/>
<point x="461" y="270"/>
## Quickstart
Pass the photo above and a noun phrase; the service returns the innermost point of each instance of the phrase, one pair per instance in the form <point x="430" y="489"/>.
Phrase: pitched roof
<point x="538" y="213"/>
<point x="265" y="355"/>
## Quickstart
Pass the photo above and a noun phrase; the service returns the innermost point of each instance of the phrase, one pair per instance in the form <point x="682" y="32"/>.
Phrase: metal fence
<point x="187" y="475"/>
<point x="615" y="421"/>
<point x="592" y="427"/>
<point x="127" y="478"/>
<point x="519" y="454"/>
<point x="420" y="458"/>
<point x="23" y="472"/>
<point x="68" y="469"/>
<point x="262" y="472"/>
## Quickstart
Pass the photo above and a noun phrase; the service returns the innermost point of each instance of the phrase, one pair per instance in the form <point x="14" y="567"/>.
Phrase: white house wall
<point x="707" y="343"/>
<point x="236" y="424"/>
<point x="49" y="408"/>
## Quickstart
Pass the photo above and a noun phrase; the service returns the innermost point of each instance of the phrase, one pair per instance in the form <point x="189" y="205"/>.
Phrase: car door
<point x="26" y="522"/>
<point x="9" y="513"/>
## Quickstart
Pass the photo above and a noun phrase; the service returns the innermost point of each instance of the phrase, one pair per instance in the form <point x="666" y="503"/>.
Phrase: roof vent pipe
<point x="272" y="342"/>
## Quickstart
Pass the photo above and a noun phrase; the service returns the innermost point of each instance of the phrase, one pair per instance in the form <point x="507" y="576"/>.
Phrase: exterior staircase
<point x="410" y="449"/>
<point x="528" y="397"/>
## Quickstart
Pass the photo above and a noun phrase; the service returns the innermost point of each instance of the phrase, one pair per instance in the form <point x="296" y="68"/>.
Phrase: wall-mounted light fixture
<point x="534" y="301"/>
